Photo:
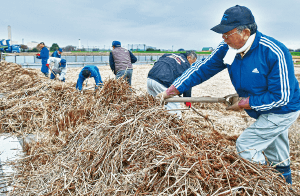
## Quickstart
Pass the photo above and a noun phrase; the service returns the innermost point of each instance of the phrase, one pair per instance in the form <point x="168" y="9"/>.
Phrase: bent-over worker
<point x="87" y="72"/>
<point x="59" y="66"/>
<point x="165" y="70"/>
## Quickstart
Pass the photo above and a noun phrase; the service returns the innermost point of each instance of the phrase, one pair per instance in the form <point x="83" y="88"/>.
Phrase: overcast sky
<point x="164" y="24"/>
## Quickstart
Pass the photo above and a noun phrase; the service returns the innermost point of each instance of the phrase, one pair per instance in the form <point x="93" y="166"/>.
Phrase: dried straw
<point x="110" y="141"/>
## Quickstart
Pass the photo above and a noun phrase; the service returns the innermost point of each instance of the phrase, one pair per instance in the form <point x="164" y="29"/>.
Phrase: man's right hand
<point x="162" y="96"/>
<point x="47" y="65"/>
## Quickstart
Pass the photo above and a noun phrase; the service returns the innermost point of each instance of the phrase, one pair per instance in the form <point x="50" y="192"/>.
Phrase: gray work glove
<point x="162" y="96"/>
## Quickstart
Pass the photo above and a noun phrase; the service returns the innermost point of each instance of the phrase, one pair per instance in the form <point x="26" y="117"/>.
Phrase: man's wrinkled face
<point x="236" y="39"/>
<point x="191" y="60"/>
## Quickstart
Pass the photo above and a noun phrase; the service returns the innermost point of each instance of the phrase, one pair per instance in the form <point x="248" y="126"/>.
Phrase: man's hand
<point x="239" y="104"/>
<point x="234" y="105"/>
<point x="188" y="104"/>
<point x="61" y="78"/>
<point x="162" y="96"/>
<point x="47" y="65"/>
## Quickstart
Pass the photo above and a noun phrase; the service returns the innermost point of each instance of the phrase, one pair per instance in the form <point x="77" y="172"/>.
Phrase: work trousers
<point x="154" y="88"/>
<point x="268" y="134"/>
<point x="127" y="74"/>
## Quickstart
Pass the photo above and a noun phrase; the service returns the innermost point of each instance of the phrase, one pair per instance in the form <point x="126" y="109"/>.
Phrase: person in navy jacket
<point x="165" y="71"/>
<point x="262" y="71"/>
<point x="57" y="53"/>
<point x="87" y="72"/>
<point x="44" y="55"/>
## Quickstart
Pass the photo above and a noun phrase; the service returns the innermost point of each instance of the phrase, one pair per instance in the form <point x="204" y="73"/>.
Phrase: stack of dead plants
<point x="109" y="141"/>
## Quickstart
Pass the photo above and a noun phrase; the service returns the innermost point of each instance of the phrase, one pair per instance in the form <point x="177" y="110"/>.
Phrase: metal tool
<point x="52" y="72"/>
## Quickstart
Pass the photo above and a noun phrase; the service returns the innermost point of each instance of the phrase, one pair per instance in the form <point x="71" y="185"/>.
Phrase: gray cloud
<point x="163" y="24"/>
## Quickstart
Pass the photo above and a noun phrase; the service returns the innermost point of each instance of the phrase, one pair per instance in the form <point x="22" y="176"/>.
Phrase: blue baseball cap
<point x="63" y="62"/>
<point x="60" y="50"/>
<point x="234" y="17"/>
<point x="116" y="44"/>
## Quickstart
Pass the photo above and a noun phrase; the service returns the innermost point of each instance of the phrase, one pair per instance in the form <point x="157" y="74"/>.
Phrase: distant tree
<point x="69" y="48"/>
<point x="33" y="50"/>
<point x="152" y="49"/>
<point x="54" y="47"/>
<point x="23" y="47"/>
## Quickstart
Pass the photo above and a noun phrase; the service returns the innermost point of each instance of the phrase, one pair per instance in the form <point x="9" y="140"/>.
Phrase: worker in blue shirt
<point x="87" y="72"/>
<point x="57" y="53"/>
<point x="44" y="55"/>
<point x="262" y="71"/>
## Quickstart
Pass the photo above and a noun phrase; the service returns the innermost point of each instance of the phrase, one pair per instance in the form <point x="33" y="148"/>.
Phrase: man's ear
<point x="247" y="34"/>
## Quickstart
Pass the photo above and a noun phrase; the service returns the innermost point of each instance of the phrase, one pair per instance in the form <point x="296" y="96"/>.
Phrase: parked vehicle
<point x="8" y="47"/>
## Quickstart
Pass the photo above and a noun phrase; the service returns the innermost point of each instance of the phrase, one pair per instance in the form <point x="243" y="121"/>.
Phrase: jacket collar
<point x="256" y="40"/>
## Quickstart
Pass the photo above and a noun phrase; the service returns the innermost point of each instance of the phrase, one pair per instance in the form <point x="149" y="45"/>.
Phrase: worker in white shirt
<point x="57" y="66"/>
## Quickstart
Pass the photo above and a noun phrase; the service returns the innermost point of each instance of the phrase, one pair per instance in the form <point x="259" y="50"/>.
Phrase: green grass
<point x="295" y="53"/>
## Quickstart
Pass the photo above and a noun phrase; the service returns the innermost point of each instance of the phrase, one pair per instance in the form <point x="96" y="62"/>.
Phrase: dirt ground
<point x="226" y="122"/>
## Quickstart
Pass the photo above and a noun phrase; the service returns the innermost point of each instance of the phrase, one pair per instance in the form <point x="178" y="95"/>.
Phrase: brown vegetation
<point x="119" y="141"/>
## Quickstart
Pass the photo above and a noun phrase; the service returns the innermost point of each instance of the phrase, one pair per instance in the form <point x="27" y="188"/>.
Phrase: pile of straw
<point x="110" y="141"/>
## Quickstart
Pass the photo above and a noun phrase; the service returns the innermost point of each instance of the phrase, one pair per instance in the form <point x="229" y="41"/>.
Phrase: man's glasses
<point x="226" y="36"/>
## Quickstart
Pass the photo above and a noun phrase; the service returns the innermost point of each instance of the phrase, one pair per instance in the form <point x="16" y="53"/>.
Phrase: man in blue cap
<point x="57" y="53"/>
<point x="44" y="55"/>
<point x="120" y="61"/>
<point x="261" y="70"/>
<point x="87" y="72"/>
<point x="57" y="66"/>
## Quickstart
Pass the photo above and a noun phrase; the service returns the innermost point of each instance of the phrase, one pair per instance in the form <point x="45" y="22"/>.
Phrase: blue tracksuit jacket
<point x="94" y="73"/>
<point x="44" y="55"/>
<point x="265" y="74"/>
<point x="168" y="68"/>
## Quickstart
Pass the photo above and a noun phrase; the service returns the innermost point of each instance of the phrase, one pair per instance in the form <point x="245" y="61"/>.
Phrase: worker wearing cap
<point x="261" y="70"/>
<point x="57" y="53"/>
<point x="87" y="72"/>
<point x="44" y="55"/>
<point x="58" y="66"/>
<point x="165" y="70"/>
<point x="120" y="61"/>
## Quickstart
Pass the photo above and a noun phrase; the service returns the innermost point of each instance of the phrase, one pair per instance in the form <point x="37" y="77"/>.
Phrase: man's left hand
<point x="235" y="106"/>
<point x="240" y="104"/>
